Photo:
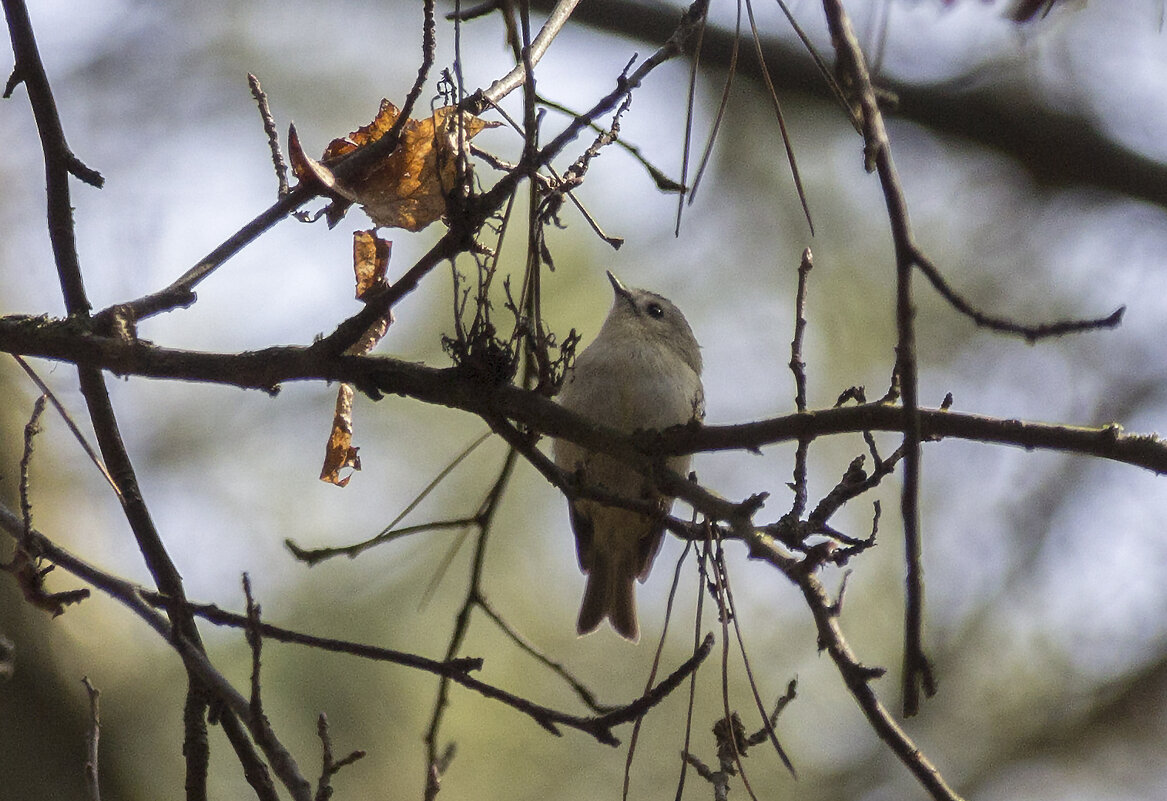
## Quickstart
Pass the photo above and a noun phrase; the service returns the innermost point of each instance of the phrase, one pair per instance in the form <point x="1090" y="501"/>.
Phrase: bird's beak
<point x="617" y="287"/>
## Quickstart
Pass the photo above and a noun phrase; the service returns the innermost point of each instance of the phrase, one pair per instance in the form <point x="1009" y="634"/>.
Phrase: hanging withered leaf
<point x="370" y="261"/>
<point x="370" y="267"/>
<point x="406" y="189"/>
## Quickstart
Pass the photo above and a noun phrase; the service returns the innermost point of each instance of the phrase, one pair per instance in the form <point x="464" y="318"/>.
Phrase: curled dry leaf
<point x="370" y="266"/>
<point x="370" y="261"/>
<point x="406" y="189"/>
<point x="340" y="454"/>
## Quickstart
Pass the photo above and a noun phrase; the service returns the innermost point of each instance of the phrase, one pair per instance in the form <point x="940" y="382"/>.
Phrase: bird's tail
<point x="610" y="594"/>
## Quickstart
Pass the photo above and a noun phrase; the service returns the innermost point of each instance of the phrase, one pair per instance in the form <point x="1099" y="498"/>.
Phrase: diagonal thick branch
<point x="198" y="666"/>
<point x="141" y="603"/>
<point x="60" y="163"/>
<point x="857" y="676"/>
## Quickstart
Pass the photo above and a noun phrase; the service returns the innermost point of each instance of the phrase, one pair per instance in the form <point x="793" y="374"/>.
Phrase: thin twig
<point x="719" y="117"/>
<point x="662" y="181"/>
<point x="853" y="484"/>
<point x="767" y="725"/>
<point x="577" y="686"/>
<point x="730" y="754"/>
<point x="329" y="765"/>
<point x="390" y="532"/>
<point x="798" y="368"/>
<point x="917" y="674"/>
<point x="273" y="136"/>
<point x="222" y="617"/>
<point x="690" y="106"/>
<point x="515" y="78"/>
<point x="254" y="635"/>
<point x="312" y="556"/>
<point x="702" y="576"/>
<point x="824" y="71"/>
<point x="486" y="516"/>
<point x="773" y="95"/>
<point x="31" y="429"/>
<point x="797" y="365"/>
<point x="92" y="740"/>
<point x="72" y="425"/>
<point x="656" y="659"/>
<point x="1003" y="325"/>
<point x="550" y="204"/>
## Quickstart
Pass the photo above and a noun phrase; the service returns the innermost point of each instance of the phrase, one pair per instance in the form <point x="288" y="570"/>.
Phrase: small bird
<point x="642" y="371"/>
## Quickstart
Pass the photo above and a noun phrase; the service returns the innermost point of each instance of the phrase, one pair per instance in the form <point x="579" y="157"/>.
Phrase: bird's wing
<point x="584" y="531"/>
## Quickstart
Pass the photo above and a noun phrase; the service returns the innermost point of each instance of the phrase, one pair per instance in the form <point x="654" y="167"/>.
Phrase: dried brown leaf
<point x="407" y="189"/>
<point x="370" y="268"/>
<point x="340" y="453"/>
<point x="370" y="260"/>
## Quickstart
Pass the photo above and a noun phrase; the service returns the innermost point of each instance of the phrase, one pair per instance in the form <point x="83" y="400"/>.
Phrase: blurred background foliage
<point x="1046" y="573"/>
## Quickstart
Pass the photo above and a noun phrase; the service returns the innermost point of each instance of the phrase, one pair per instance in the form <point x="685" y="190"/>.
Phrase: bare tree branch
<point x="1056" y="147"/>
<point x="857" y="676"/>
<point x="476" y="220"/>
<point x="267" y="369"/>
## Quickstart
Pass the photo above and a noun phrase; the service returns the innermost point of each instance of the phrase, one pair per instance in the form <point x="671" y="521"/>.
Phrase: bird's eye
<point x="654" y="310"/>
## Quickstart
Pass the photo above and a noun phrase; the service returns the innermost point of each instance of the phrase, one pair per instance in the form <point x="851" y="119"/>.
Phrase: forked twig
<point x="330" y="765"/>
